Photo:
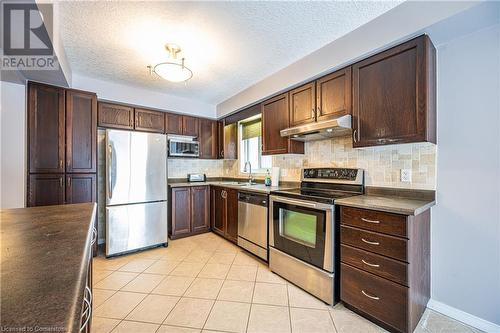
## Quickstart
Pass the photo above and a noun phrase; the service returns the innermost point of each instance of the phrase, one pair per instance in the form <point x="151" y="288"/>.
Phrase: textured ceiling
<point x="228" y="45"/>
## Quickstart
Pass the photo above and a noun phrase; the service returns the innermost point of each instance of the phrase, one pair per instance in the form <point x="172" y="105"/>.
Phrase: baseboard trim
<point x="463" y="317"/>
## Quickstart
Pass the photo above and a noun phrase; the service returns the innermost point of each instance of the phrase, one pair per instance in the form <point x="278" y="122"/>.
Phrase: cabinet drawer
<point x="387" y="223"/>
<point x="377" y="297"/>
<point x="385" y="267"/>
<point x="386" y="245"/>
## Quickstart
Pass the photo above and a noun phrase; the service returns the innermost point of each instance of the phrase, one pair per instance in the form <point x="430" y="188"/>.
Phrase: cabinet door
<point x="45" y="190"/>
<point x="333" y="95"/>
<point x="149" y="121"/>
<point x="81" y="131"/>
<point x="220" y="139"/>
<point x="181" y="214"/>
<point x="231" y="141"/>
<point x="189" y="126"/>
<point x="303" y="104"/>
<point x="232" y="214"/>
<point x="80" y="188"/>
<point x="218" y="210"/>
<point x="115" y="116"/>
<point x="200" y="208"/>
<point x="393" y="95"/>
<point x="46" y="127"/>
<point x="208" y="139"/>
<point x="173" y="124"/>
<point x="275" y="117"/>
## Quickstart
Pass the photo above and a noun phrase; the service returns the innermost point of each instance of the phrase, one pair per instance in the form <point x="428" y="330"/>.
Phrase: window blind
<point x="251" y="129"/>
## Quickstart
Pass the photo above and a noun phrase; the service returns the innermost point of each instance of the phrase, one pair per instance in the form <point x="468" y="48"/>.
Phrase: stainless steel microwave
<point x="183" y="146"/>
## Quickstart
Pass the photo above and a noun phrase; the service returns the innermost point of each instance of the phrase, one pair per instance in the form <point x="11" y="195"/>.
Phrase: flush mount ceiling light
<point x="174" y="69"/>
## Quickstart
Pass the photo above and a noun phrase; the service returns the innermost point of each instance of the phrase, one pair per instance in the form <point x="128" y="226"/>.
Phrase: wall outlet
<point x="406" y="175"/>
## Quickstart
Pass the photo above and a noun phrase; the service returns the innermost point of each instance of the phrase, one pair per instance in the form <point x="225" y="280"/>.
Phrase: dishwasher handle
<point x="253" y="199"/>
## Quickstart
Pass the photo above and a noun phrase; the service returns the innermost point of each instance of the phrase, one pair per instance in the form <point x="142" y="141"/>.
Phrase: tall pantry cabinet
<point x="62" y="145"/>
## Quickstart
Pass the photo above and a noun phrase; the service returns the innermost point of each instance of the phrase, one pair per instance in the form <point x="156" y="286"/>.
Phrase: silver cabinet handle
<point x="313" y="114"/>
<point x="369" y="242"/>
<point x="94" y="236"/>
<point x="110" y="170"/>
<point x="367" y="263"/>
<point x="87" y="313"/>
<point x="354" y="136"/>
<point x="370" y="221"/>
<point x="370" y="296"/>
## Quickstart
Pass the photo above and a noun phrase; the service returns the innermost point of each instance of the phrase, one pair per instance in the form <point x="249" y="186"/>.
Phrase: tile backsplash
<point x="180" y="167"/>
<point x="382" y="164"/>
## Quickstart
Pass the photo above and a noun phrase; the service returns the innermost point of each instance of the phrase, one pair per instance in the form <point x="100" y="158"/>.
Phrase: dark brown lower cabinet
<point x="59" y="189"/>
<point x="232" y="215"/>
<point x="218" y="207"/>
<point x="387" y="283"/>
<point x="189" y="211"/>
<point x="224" y="219"/>
<point x="46" y="190"/>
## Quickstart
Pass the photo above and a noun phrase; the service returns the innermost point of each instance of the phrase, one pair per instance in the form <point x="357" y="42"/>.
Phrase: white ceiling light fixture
<point x="174" y="69"/>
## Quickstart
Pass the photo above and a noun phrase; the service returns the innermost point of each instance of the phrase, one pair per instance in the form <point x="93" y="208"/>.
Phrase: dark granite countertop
<point x="232" y="183"/>
<point x="43" y="260"/>
<point x="406" y="202"/>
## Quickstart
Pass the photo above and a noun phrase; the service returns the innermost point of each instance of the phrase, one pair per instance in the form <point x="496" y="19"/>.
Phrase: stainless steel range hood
<point x="320" y="130"/>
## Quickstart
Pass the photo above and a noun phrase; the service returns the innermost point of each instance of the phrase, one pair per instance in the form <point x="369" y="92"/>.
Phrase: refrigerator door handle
<point x="110" y="171"/>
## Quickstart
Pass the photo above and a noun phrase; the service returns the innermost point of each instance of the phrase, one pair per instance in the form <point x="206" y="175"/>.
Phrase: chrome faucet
<point x="249" y="170"/>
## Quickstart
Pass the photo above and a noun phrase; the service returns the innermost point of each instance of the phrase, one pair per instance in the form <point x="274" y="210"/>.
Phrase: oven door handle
<point x="295" y="202"/>
<point x="303" y="203"/>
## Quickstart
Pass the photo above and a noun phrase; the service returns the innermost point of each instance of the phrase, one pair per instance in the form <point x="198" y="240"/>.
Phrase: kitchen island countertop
<point x="44" y="255"/>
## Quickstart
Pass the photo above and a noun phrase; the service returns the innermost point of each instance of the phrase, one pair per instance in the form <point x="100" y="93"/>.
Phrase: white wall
<point x="466" y="220"/>
<point x="409" y="18"/>
<point x="12" y="145"/>
<point x="141" y="96"/>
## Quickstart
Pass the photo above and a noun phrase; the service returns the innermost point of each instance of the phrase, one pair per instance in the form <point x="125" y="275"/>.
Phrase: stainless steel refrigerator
<point x="136" y="191"/>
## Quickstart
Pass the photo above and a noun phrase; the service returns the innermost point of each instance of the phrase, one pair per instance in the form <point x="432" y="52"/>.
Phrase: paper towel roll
<point x="275" y="176"/>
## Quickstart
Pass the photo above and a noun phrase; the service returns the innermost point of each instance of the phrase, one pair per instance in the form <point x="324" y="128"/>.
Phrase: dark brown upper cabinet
<point x="302" y="104"/>
<point x="149" y="121"/>
<point x="46" y="127"/>
<point x="227" y="136"/>
<point x="333" y="95"/>
<point x="173" y="124"/>
<point x="208" y="139"/>
<point x="394" y="95"/>
<point x="81" y="131"/>
<point x="275" y="117"/>
<point x="115" y="116"/>
<point x="230" y="147"/>
<point x="189" y="126"/>
<point x="81" y="188"/>
<point x="45" y="190"/>
<point x="181" y="125"/>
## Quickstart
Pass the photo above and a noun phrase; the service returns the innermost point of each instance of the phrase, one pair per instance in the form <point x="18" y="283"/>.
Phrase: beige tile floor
<point x="206" y="284"/>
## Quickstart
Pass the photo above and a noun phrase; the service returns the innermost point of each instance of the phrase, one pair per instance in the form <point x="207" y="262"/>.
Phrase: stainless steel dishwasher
<point x="252" y="223"/>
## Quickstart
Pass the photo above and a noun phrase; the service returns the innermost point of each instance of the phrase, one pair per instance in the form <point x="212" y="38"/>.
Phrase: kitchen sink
<point x="238" y="183"/>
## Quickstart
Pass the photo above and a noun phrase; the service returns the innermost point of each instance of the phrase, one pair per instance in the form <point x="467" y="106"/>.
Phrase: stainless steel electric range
<point x="304" y="229"/>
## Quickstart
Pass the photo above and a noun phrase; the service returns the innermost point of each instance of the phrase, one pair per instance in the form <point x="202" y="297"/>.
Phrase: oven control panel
<point x="330" y="173"/>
